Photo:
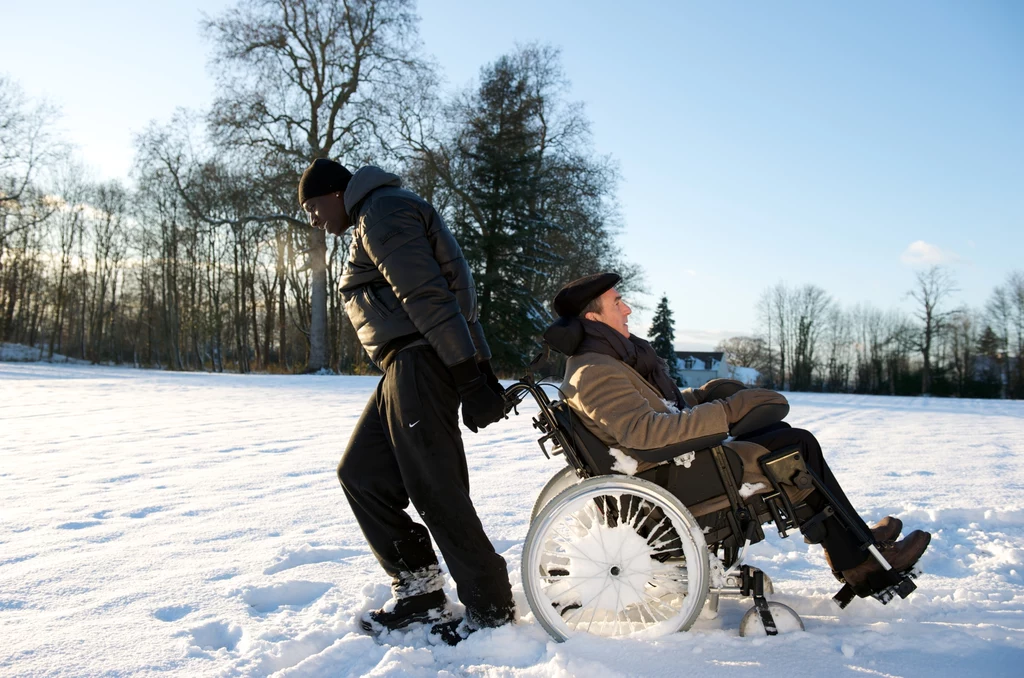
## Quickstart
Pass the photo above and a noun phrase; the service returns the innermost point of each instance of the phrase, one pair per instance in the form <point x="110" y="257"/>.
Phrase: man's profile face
<point x="327" y="212"/>
<point x="614" y="312"/>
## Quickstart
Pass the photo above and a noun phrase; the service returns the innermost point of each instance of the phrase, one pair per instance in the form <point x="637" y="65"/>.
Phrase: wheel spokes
<point x="601" y="550"/>
<point x="613" y="557"/>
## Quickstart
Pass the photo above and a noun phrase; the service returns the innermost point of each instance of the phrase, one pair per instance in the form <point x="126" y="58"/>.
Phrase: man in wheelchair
<point x="621" y="391"/>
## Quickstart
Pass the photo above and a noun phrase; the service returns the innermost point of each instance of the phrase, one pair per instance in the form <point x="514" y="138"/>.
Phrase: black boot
<point x="452" y="632"/>
<point x="409" y="610"/>
<point x="455" y="631"/>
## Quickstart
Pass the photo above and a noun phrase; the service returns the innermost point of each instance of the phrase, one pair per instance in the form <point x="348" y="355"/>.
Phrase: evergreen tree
<point x="663" y="338"/>
<point x="990" y="346"/>
<point x="507" y="242"/>
<point x="516" y="179"/>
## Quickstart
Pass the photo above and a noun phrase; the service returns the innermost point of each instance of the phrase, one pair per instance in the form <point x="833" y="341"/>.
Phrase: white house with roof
<point x="699" y="367"/>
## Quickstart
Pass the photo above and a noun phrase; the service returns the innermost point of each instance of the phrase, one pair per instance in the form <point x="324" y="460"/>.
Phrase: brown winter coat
<point x="619" y="407"/>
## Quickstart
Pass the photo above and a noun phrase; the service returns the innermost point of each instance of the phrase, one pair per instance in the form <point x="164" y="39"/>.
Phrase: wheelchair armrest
<point x="671" y="451"/>
<point x="760" y="417"/>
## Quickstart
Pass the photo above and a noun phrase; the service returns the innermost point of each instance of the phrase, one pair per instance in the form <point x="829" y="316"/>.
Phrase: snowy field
<point x="192" y="524"/>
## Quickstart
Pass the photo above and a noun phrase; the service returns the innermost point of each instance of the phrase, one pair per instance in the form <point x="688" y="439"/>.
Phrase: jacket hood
<point x="365" y="180"/>
<point x="565" y="334"/>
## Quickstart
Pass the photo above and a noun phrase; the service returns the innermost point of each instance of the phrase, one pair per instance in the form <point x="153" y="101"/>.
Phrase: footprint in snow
<point x="121" y="479"/>
<point x="78" y="525"/>
<point x="172" y="613"/>
<point x="143" y="512"/>
<point x="216" y="635"/>
<point x="264" y="599"/>
<point x="307" y="555"/>
<point x="230" y="574"/>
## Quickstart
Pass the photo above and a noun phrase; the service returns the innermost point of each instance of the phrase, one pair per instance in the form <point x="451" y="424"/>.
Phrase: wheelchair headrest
<point x="565" y="335"/>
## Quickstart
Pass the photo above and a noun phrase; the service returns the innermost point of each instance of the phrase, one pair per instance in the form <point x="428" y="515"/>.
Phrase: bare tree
<point x="1015" y="285"/>
<point x="27" y="145"/>
<point x="838" y="344"/>
<point x="744" y="351"/>
<point x="68" y="218"/>
<point x="768" y="336"/>
<point x="999" y="311"/>
<point x="778" y="304"/>
<point x="933" y="289"/>
<point x="1005" y="313"/>
<point x="26" y="141"/>
<point x="109" y="246"/>
<point x="794" y="318"/>
<point x="300" y="80"/>
<point x="809" y="307"/>
<point x="963" y="340"/>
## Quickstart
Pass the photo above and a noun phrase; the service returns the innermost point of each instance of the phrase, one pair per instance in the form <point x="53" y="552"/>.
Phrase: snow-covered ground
<point x="192" y="524"/>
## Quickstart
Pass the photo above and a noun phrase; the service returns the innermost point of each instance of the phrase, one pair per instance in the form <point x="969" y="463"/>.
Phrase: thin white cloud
<point x="921" y="253"/>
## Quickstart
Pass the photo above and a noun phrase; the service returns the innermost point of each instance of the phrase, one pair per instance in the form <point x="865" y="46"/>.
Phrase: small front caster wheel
<point x="786" y="620"/>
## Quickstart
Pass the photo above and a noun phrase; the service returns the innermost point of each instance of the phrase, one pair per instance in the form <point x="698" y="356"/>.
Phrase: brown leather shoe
<point x="901" y="556"/>
<point x="884" y="532"/>
<point x="887" y="529"/>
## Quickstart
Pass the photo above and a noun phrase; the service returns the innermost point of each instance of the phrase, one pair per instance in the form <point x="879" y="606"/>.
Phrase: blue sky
<point x="800" y="141"/>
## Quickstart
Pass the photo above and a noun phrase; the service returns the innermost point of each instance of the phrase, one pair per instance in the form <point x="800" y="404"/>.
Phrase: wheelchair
<point x="642" y="555"/>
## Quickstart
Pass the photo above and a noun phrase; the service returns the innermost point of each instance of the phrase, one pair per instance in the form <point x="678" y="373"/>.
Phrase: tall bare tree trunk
<point x="319" y="344"/>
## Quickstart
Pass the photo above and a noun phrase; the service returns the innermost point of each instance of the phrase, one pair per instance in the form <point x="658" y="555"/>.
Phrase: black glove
<point x="754" y="408"/>
<point x="492" y="380"/>
<point x="482" y="403"/>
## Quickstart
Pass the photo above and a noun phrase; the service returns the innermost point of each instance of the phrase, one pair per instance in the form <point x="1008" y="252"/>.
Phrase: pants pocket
<point x="408" y="412"/>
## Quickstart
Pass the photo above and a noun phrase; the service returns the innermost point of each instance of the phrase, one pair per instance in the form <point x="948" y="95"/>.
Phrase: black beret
<point x="322" y="177"/>
<point x="571" y="299"/>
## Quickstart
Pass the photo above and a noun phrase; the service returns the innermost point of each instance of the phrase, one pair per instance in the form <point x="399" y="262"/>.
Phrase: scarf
<point x="635" y="352"/>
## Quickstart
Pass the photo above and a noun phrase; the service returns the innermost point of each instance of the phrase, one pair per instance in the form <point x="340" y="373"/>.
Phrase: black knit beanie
<point x="323" y="176"/>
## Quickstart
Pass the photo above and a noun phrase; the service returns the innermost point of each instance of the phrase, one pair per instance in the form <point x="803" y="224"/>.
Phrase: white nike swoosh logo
<point x="414" y="423"/>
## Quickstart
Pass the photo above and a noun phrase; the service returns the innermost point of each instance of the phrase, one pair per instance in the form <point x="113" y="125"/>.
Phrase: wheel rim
<point x="558" y="483"/>
<point x="615" y="557"/>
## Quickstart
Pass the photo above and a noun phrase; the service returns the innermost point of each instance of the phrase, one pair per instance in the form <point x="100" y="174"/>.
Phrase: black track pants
<point x="843" y="547"/>
<point x="407" y="446"/>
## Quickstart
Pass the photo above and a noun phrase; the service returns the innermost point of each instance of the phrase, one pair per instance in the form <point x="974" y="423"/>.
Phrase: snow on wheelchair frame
<point x="640" y="555"/>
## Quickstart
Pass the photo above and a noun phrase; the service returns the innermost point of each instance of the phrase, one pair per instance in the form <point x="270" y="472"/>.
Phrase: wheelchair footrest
<point x="883" y="588"/>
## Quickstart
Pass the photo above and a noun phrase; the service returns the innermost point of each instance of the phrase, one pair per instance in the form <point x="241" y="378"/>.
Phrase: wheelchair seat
<point x="692" y="475"/>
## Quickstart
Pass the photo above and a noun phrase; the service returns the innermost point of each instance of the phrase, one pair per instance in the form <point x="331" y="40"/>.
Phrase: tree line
<point x="806" y="341"/>
<point x="206" y="262"/>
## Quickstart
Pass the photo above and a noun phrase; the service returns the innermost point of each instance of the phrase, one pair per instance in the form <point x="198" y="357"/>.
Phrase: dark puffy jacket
<point x="406" y="281"/>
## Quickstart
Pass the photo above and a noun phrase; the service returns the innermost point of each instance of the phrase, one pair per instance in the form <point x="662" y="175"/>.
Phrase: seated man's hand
<point x="716" y="389"/>
<point x="754" y="408"/>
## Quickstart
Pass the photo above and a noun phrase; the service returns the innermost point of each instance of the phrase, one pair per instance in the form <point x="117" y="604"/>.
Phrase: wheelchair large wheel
<point x="615" y="556"/>
<point x="560" y="481"/>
